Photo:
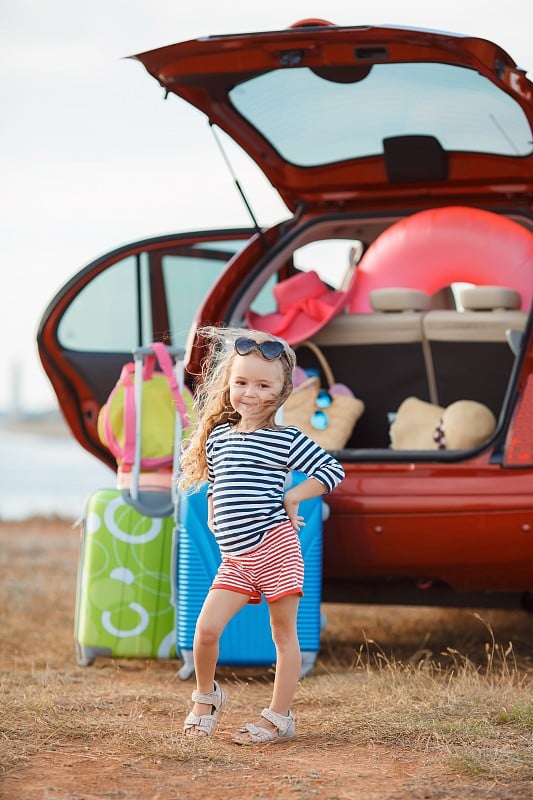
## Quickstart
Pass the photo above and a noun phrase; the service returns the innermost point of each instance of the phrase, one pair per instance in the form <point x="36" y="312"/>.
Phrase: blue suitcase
<point x="247" y="639"/>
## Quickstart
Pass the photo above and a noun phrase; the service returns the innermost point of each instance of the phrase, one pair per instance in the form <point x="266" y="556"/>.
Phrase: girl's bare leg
<point x="219" y="607"/>
<point x="283" y="614"/>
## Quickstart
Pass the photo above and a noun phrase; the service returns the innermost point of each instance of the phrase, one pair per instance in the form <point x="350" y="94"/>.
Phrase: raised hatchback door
<point x="339" y="115"/>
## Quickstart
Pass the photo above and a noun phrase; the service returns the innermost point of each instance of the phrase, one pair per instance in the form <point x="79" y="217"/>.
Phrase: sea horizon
<point x="44" y="471"/>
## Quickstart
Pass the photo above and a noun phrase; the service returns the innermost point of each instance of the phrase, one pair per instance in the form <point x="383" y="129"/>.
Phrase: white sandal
<point x="255" y="734"/>
<point x="206" y="723"/>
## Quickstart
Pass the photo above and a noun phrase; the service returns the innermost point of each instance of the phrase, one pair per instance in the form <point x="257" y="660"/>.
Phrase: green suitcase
<point x="124" y="597"/>
<point x="125" y="603"/>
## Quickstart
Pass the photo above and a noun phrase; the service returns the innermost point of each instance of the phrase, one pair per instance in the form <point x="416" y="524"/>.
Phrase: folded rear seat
<point x="469" y="349"/>
<point x="380" y="356"/>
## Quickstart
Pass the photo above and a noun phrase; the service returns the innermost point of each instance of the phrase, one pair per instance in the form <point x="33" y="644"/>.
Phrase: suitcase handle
<point x="150" y="503"/>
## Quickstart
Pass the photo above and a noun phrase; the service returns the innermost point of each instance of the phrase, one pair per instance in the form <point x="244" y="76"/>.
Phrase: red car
<point x="405" y="158"/>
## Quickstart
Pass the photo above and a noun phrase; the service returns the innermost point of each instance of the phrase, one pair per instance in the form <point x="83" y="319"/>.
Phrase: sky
<point x="92" y="157"/>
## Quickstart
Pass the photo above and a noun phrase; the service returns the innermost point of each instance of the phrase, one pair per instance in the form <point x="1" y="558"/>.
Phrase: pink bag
<point x="161" y="399"/>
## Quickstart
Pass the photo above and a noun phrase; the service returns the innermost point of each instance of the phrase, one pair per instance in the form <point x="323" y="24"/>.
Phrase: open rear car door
<point x="142" y="292"/>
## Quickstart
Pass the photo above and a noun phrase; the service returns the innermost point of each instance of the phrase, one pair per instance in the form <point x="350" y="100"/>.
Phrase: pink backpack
<point x="161" y="399"/>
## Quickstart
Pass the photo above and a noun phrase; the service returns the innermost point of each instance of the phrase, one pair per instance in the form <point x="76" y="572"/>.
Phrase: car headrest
<point x="490" y="298"/>
<point x="395" y="299"/>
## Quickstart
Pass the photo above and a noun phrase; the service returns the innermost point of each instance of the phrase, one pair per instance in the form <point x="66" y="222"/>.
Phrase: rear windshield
<point x="313" y="119"/>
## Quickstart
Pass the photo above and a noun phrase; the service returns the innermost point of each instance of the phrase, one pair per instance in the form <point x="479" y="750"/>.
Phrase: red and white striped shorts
<point x="274" y="568"/>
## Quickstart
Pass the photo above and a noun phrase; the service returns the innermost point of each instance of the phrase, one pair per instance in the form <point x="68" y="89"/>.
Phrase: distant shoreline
<point x="49" y="423"/>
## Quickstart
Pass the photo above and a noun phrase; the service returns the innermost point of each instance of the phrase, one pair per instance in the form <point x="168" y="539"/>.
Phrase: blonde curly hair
<point x="212" y="403"/>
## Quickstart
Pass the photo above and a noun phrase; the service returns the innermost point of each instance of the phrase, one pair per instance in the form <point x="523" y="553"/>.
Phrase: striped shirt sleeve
<point x="308" y="457"/>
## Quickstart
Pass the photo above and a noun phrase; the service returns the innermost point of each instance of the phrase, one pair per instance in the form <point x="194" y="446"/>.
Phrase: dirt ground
<point x="339" y="773"/>
<point x="323" y="763"/>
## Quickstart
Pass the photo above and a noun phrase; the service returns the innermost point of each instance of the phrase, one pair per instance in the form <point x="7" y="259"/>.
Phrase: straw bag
<point x="419" y="425"/>
<point x="327" y="416"/>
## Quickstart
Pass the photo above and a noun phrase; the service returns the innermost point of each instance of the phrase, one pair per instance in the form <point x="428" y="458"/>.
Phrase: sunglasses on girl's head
<point x="269" y="350"/>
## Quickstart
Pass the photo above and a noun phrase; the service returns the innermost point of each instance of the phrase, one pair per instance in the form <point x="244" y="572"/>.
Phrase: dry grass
<point x="478" y="717"/>
<point x="455" y="685"/>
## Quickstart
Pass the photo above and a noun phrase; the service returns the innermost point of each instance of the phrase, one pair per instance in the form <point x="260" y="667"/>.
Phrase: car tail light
<point x="519" y="443"/>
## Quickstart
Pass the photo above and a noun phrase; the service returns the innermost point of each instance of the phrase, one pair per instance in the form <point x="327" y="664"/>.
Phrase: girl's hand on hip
<point x="291" y="507"/>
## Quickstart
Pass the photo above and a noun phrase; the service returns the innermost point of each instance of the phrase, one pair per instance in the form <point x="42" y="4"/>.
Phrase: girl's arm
<point x="322" y="470"/>
<point x="302" y="491"/>
<point x="308" y="457"/>
<point x="210" y="514"/>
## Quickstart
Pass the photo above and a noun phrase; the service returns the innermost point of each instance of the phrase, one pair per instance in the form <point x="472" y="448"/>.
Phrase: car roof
<point x="336" y="115"/>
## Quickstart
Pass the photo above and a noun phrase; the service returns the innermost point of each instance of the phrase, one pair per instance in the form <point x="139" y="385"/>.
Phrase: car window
<point x="187" y="280"/>
<point x="331" y="259"/>
<point x="105" y="315"/>
<point x="264" y="302"/>
<point x="116" y="310"/>
<point x="351" y="110"/>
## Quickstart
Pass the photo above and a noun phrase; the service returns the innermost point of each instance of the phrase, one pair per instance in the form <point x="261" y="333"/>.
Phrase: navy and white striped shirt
<point x="246" y="474"/>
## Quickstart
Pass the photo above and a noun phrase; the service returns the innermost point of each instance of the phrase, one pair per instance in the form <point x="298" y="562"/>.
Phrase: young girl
<point x="245" y="456"/>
